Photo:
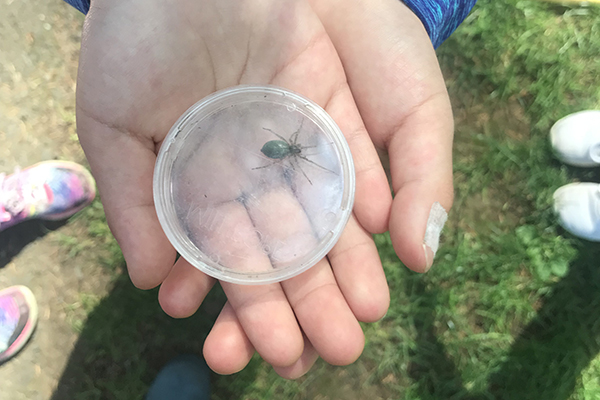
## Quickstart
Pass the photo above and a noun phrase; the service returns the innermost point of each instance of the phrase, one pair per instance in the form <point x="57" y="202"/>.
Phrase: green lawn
<point x="511" y="309"/>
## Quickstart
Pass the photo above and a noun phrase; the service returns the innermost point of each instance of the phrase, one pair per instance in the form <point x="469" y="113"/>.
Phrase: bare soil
<point x="39" y="46"/>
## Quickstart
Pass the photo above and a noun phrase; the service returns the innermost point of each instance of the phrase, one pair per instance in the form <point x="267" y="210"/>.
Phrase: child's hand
<point x="144" y="62"/>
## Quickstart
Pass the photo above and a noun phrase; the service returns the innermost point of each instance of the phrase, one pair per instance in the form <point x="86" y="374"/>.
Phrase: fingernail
<point x="431" y="242"/>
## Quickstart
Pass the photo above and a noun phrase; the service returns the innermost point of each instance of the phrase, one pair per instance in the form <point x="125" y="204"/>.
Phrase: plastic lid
<point x="254" y="184"/>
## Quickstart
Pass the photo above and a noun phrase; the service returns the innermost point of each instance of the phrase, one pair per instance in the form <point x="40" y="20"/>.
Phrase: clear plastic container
<point x="254" y="184"/>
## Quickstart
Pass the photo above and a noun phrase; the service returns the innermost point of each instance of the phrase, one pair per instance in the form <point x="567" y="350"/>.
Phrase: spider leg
<point x="301" y="170"/>
<point x="265" y="166"/>
<point x="294" y="137"/>
<point x="314" y="163"/>
<point x="278" y="135"/>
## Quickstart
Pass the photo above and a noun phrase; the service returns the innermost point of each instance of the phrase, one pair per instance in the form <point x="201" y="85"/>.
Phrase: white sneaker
<point x="576" y="139"/>
<point x="578" y="208"/>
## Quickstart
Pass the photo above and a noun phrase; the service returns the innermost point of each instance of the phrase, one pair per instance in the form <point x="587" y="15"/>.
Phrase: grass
<point x="510" y="310"/>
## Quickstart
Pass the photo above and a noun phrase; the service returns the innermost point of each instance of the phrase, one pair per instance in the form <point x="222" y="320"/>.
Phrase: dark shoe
<point x="186" y="377"/>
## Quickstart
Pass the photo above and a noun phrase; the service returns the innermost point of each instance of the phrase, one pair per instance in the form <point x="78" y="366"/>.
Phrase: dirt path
<point x="39" y="46"/>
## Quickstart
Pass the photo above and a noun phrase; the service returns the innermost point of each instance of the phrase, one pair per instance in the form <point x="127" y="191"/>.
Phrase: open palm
<point x="144" y="62"/>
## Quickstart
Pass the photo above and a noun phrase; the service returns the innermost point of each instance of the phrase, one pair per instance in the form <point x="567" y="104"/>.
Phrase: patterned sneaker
<point x="18" y="316"/>
<point x="48" y="190"/>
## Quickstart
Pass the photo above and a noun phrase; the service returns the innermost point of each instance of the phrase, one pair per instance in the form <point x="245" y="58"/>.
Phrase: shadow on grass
<point x="585" y="174"/>
<point x="127" y="339"/>
<point x="15" y="238"/>
<point x="546" y="359"/>
<point x="430" y="365"/>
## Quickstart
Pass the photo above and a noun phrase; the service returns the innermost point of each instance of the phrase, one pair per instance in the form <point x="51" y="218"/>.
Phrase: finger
<point x="403" y="101"/>
<point x="123" y="167"/>
<point x="268" y="321"/>
<point x="227" y="349"/>
<point x="373" y="200"/>
<point x="358" y="271"/>
<point x="421" y="167"/>
<point x="264" y="311"/>
<point x="302" y="366"/>
<point x="228" y="235"/>
<point x="324" y="315"/>
<point x="287" y="232"/>
<point x="184" y="289"/>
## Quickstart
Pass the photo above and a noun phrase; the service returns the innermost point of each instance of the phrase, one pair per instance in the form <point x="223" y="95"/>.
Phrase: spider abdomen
<point x="276" y="149"/>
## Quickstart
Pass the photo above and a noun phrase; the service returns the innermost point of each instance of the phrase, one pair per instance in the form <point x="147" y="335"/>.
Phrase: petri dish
<point x="254" y="184"/>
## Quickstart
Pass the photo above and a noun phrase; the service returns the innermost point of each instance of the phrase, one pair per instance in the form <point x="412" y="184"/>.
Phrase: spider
<point x="283" y="148"/>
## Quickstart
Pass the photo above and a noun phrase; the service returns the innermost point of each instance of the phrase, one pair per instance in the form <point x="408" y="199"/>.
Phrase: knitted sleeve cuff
<point x="81" y="5"/>
<point x="440" y="17"/>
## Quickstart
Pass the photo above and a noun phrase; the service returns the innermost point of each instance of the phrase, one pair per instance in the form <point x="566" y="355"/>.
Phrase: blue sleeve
<point x="81" y="5"/>
<point x="440" y="17"/>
